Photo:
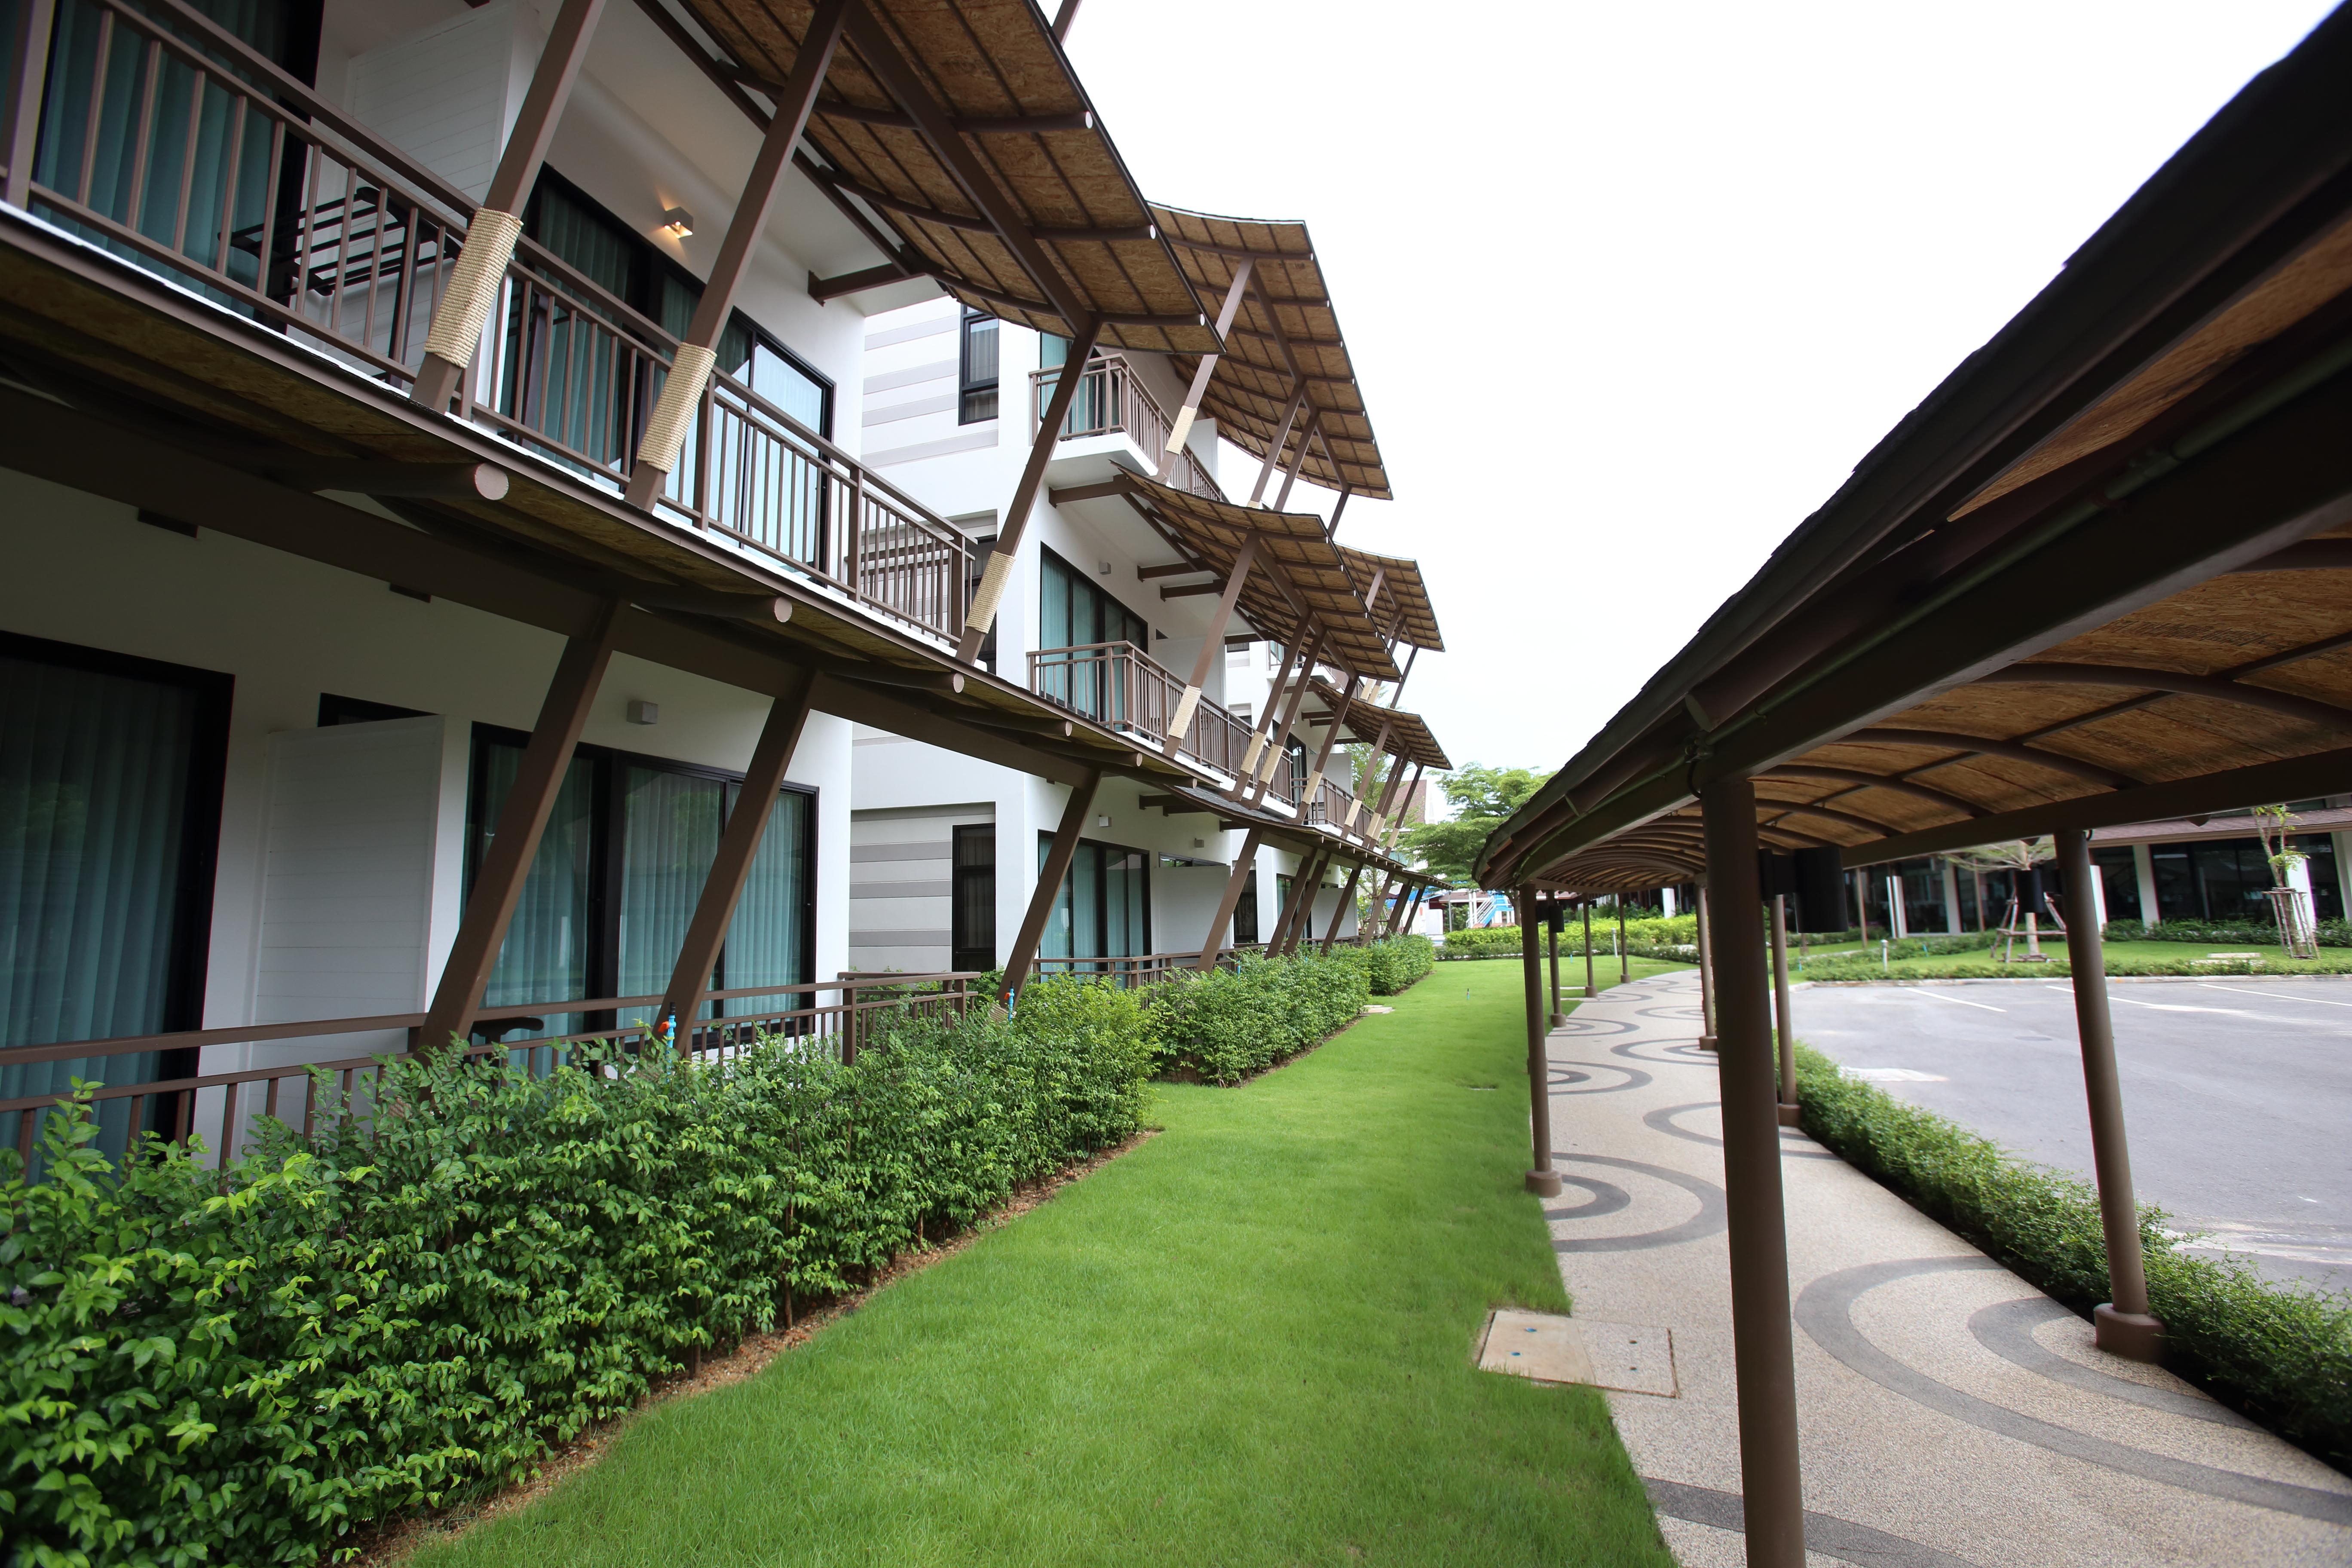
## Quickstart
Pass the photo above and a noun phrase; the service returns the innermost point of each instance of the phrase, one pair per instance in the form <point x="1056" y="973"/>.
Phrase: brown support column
<point x="738" y="845"/>
<point x="681" y="395"/>
<point x="2123" y="1325"/>
<point x="1301" y="911"/>
<point x="1705" y="975"/>
<point x="1204" y="372"/>
<point x="1263" y="728"/>
<point x="1290" y="475"/>
<point x="1413" y="910"/>
<point x="1346" y="896"/>
<point x="1212" y="646"/>
<point x="1764" y="1361"/>
<point x="998" y="573"/>
<point x="1551" y="939"/>
<point x="1542" y="1180"/>
<point x="1625" y="959"/>
<point x="1314" y="784"/>
<point x="1281" y="438"/>
<point x="1234" y="883"/>
<point x="1049" y="882"/>
<point x="1392" y="826"/>
<point x="464" y="306"/>
<point x="1279" y="737"/>
<point x="490" y="907"/>
<point x="1589" y="988"/>
<point x="1783" y="1026"/>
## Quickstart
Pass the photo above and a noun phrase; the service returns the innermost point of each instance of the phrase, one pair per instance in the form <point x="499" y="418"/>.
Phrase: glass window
<point x="1075" y="619"/>
<point x="976" y="369"/>
<point x="1103" y="908"/>
<point x="974" y="915"/>
<point x="109" y="814"/>
<point x="1246" y="912"/>
<point x="2119" y="882"/>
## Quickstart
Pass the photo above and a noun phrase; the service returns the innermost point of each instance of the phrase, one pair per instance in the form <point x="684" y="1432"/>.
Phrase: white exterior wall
<point x="84" y="571"/>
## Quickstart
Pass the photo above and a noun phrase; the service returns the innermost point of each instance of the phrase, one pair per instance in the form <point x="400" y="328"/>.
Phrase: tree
<point x="1482" y="798"/>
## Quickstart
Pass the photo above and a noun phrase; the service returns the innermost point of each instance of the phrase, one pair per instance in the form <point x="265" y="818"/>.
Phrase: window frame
<point x="968" y="386"/>
<point x="963" y="943"/>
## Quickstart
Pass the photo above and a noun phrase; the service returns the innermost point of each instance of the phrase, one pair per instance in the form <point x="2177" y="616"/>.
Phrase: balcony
<point x="1328" y="809"/>
<point x="1112" y="400"/>
<point x="1119" y="686"/>
<point x="173" y="145"/>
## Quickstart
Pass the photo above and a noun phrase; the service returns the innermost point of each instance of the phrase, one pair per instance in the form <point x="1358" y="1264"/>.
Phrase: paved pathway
<point x="1950" y="1415"/>
<point x="2237" y="1093"/>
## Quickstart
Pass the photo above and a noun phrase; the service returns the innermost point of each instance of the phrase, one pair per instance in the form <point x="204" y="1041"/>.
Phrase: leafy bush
<point x="1228" y="1023"/>
<point x="2282" y="1355"/>
<point x="2331" y="933"/>
<point x="1502" y="942"/>
<point x="423" y="1301"/>
<point x="1396" y="964"/>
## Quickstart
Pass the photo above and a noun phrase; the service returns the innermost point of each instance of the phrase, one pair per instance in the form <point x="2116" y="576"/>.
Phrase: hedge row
<point x="1230" y="1023"/>
<point x="1867" y="967"/>
<point x="2331" y="933"/>
<point x="421" y="1304"/>
<point x="2284" y="1355"/>
<point x="1397" y="963"/>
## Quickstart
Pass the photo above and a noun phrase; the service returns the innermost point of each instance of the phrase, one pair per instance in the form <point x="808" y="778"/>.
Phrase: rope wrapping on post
<point x="994" y="578"/>
<point x="680" y="395"/>
<point x="1186" y="706"/>
<point x="474" y="283"/>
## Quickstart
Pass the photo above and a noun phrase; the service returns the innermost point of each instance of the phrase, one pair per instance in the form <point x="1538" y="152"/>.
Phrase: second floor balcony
<point x="1113" y="399"/>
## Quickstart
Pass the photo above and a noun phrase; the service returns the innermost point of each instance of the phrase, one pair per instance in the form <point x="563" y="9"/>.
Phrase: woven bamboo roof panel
<point x="1409" y="733"/>
<point x="983" y="60"/>
<point x="1286" y="328"/>
<point x="1291" y="544"/>
<point x="1403" y="606"/>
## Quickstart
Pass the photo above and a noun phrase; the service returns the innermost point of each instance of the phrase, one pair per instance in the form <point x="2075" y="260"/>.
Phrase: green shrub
<point x="1229" y="1024"/>
<point x="421" y="1301"/>
<point x="1396" y="964"/>
<point x="2282" y="1355"/>
<point x="2260" y="933"/>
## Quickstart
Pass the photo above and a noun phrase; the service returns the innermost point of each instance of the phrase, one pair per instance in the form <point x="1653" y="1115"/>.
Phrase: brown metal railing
<point x="1144" y="968"/>
<point x="168" y="141"/>
<point x="1119" y="685"/>
<point x="1112" y="398"/>
<point x="342" y="1085"/>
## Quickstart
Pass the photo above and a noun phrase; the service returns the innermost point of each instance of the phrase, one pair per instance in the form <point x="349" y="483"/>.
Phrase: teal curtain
<point x="545" y="957"/>
<point x="767" y="942"/>
<point x="1102" y="908"/>
<point x="95" y="774"/>
<point x="669" y="837"/>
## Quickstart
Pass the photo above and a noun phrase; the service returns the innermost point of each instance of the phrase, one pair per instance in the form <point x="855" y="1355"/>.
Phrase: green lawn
<point x="1246" y="1342"/>
<point x="2122" y="958"/>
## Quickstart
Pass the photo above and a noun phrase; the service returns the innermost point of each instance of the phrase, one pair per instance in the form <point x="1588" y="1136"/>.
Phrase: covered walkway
<point x="1950" y="1413"/>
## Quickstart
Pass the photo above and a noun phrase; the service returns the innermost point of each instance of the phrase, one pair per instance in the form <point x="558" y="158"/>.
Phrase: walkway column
<point x="456" y="333"/>
<point x="1346" y="896"/>
<point x="1244" y="864"/>
<point x="1553" y="915"/>
<point x="738" y="845"/>
<point x="1049" y="882"/>
<point x="1706" y="976"/>
<point x="1771" y="1483"/>
<point x="2123" y="1324"/>
<point x="1591" y="989"/>
<point x="547" y="756"/>
<point x="680" y="402"/>
<point x="1781" y="1024"/>
<point x="1542" y="1180"/>
<point x="1624" y="957"/>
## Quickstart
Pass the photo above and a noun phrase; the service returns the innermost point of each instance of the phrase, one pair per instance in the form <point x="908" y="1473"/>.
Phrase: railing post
<point x="36" y="20"/>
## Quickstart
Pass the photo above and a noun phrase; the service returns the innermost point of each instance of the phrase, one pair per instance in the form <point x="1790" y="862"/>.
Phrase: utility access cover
<point x="1551" y="1348"/>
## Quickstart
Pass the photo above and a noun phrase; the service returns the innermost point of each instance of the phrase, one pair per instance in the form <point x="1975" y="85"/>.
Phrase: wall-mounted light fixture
<point x="678" y="223"/>
<point x="641" y="712"/>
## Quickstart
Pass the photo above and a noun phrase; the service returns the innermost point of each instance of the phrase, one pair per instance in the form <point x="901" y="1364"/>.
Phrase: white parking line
<point x="2167" y="1006"/>
<point x="2271" y="997"/>
<point x="1940" y="996"/>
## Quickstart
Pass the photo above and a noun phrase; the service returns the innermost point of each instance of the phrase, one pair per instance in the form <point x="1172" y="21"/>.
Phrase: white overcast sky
<point x="1631" y="287"/>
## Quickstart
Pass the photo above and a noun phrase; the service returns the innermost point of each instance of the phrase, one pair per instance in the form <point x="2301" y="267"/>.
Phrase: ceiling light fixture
<point x="677" y="222"/>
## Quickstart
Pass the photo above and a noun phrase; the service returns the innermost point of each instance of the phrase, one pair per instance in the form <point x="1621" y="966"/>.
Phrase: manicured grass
<point x="2122" y="958"/>
<point x="1246" y="1342"/>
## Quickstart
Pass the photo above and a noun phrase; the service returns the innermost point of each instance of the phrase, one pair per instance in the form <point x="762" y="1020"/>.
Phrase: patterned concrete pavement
<point x="1950" y="1415"/>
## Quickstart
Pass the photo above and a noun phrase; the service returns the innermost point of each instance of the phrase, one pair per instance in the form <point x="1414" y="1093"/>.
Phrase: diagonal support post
<point x="1278" y="738"/>
<point x="1059" y="860"/>
<point x="1212" y="646"/>
<point x="998" y="573"/>
<point x="680" y="402"/>
<point x="1205" y="372"/>
<point x="739" y="845"/>
<point x="464" y="308"/>
<point x="1244" y="864"/>
<point x="1281" y="439"/>
<point x="1346" y="897"/>
<point x="522" y="821"/>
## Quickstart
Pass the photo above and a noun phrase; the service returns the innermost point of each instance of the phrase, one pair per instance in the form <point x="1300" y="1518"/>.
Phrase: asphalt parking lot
<point x="2236" y="1093"/>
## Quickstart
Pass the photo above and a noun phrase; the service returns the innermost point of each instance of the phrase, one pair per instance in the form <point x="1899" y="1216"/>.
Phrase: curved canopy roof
<point x="962" y="127"/>
<point x="1286" y="330"/>
<point x="1402" y="604"/>
<point x="2130" y="599"/>
<point x="1409" y="733"/>
<point x="1301" y="577"/>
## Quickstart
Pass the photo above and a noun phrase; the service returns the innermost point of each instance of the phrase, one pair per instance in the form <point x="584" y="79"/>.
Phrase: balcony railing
<point x="1118" y="685"/>
<point x="165" y="140"/>
<point x="1331" y="805"/>
<point x="301" y="1093"/>
<point x="1111" y="398"/>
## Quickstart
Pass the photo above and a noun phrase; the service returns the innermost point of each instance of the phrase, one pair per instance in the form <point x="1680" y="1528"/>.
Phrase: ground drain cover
<point x="1552" y="1349"/>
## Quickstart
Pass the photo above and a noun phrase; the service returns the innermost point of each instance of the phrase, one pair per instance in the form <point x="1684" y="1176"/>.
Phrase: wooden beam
<point x="738" y="845"/>
<point x="823" y="290"/>
<point x="1168" y="569"/>
<point x="998" y="573"/>
<point x="1220" y="922"/>
<point x="1065" y="496"/>
<point x="1194" y="590"/>
<point x="1346" y="897"/>
<point x="1058" y="859"/>
<point x="489" y="908"/>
